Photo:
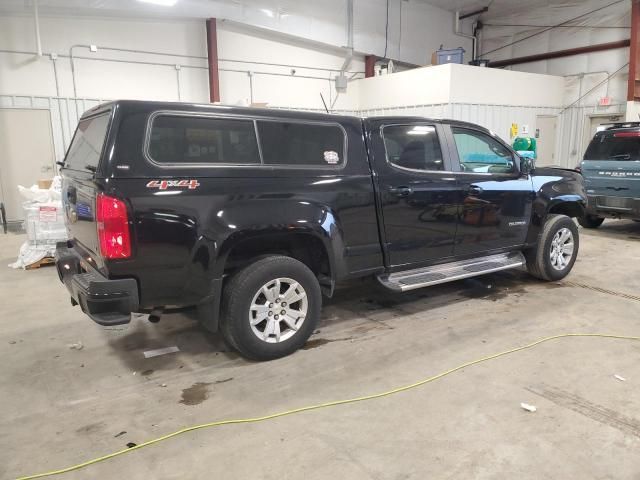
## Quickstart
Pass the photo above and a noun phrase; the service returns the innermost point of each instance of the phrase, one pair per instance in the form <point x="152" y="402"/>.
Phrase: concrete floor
<point x="61" y="406"/>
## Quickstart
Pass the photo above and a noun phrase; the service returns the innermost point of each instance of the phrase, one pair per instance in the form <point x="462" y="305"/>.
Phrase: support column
<point x="633" y="90"/>
<point x="212" y="59"/>
<point x="369" y="64"/>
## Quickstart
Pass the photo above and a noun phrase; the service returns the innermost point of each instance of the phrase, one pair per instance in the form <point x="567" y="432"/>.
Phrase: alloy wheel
<point x="278" y="310"/>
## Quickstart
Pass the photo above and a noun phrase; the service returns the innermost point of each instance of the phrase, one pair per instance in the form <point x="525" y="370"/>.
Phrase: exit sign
<point x="604" y="101"/>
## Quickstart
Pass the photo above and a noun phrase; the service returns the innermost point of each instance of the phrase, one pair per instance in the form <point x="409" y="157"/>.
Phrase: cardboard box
<point x="44" y="184"/>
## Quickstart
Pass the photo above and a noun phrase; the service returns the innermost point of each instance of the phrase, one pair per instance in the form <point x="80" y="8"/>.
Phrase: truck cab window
<point x="415" y="147"/>
<point x="203" y="140"/>
<point x="479" y="153"/>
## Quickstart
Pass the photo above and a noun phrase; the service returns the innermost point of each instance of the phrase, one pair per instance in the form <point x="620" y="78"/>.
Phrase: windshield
<point x="85" y="149"/>
<point x="614" y="146"/>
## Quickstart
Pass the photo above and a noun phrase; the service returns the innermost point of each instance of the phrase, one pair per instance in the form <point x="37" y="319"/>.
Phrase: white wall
<point x="421" y="86"/>
<point x="490" y="97"/>
<point x="583" y="71"/>
<point x="282" y="88"/>
<point x="307" y="34"/>
<point x="454" y="83"/>
<point x="125" y="77"/>
<point x="108" y="74"/>
<point x="502" y="87"/>
<point x="31" y="75"/>
<point x="457" y="91"/>
<point x="416" y="29"/>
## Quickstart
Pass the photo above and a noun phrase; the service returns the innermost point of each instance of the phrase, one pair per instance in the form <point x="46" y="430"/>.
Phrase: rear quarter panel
<point x="182" y="235"/>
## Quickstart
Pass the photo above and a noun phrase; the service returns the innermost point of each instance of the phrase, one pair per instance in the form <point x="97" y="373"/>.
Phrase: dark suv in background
<point x="611" y="170"/>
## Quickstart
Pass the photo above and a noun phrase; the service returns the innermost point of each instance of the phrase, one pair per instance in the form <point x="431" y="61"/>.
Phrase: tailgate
<point x="78" y="181"/>
<point x="79" y="194"/>
<point x="611" y="165"/>
<point x="617" y="178"/>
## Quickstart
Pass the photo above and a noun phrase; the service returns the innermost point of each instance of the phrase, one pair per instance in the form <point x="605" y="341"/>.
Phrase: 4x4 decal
<point x="164" y="184"/>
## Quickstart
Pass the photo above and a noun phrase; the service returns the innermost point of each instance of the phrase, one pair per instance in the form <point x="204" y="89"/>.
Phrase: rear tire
<point x="557" y="249"/>
<point x="590" y="221"/>
<point x="270" y="308"/>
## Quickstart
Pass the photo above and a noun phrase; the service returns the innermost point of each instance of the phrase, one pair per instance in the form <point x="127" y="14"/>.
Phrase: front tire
<point x="270" y="308"/>
<point x="557" y="249"/>
<point x="590" y="221"/>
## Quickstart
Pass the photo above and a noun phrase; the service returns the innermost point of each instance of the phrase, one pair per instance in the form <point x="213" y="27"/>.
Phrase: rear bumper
<point x="105" y="301"/>
<point x="610" y="206"/>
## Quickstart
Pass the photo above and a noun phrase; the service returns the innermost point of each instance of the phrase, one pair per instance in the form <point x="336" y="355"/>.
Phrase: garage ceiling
<point x="498" y="8"/>
<point x="203" y="8"/>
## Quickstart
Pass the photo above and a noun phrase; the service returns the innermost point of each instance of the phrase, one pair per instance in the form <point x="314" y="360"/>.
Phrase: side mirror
<point x="527" y="165"/>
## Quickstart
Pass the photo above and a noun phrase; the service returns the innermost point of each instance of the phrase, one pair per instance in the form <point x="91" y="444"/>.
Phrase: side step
<point x="448" y="272"/>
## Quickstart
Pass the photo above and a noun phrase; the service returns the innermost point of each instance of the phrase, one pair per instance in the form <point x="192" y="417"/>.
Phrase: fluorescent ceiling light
<point x="164" y="3"/>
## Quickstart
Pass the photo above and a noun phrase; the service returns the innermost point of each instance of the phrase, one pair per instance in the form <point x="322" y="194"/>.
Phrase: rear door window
<point x="86" y="147"/>
<point x="415" y="147"/>
<point x="301" y="144"/>
<point x="182" y="139"/>
<point x="621" y="145"/>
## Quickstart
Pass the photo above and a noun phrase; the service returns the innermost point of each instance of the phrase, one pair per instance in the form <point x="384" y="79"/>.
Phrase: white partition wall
<point x="492" y="98"/>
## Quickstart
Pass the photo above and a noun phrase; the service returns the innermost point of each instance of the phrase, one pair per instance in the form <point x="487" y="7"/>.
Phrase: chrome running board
<point x="448" y="272"/>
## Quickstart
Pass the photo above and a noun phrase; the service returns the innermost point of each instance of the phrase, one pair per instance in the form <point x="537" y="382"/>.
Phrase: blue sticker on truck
<point x="84" y="211"/>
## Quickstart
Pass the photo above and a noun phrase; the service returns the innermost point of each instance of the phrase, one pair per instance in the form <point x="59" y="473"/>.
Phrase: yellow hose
<point x="321" y="405"/>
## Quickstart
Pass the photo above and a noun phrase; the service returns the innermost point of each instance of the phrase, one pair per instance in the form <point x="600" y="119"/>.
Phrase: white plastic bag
<point x="30" y="254"/>
<point x="43" y="221"/>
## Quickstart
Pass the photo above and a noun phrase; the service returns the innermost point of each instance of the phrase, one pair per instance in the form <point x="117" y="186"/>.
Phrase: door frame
<point x="586" y="129"/>
<point x="379" y="161"/>
<point x="462" y="178"/>
<point x="15" y="224"/>
<point x="556" y="140"/>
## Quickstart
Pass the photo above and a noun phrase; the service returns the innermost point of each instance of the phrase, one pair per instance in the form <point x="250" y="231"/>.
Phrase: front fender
<point x="555" y="189"/>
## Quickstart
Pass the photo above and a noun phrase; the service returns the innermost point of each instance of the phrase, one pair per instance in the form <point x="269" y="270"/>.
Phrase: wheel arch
<point x="570" y="208"/>
<point x="308" y="246"/>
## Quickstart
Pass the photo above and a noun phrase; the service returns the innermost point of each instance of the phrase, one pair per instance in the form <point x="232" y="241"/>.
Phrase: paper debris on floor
<point x="618" y="377"/>
<point x="528" y="408"/>
<point x="160" y="351"/>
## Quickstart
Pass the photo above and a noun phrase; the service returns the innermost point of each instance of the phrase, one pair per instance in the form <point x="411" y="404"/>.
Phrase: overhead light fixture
<point x="164" y="3"/>
<point x="267" y="12"/>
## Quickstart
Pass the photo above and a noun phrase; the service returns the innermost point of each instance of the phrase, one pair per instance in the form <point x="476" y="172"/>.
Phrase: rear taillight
<point x="113" y="227"/>
<point x="626" y="134"/>
<point x="578" y="168"/>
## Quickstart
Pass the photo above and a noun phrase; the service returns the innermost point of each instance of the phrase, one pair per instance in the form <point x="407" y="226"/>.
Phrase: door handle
<point x="400" y="191"/>
<point x="474" y="190"/>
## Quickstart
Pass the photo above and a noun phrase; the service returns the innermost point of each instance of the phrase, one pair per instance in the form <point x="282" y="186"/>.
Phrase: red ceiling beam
<point x="212" y="58"/>
<point x="561" y="53"/>
<point x="633" y="87"/>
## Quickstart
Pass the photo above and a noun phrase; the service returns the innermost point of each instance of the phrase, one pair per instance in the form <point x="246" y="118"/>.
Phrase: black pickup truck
<point x="252" y="215"/>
